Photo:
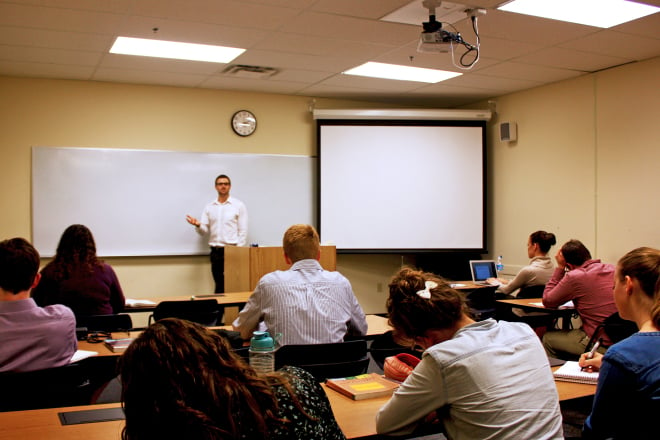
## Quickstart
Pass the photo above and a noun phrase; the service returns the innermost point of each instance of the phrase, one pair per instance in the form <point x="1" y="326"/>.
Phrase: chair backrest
<point x="481" y="302"/>
<point x="384" y="346"/>
<point x="105" y="323"/>
<point x="341" y="359"/>
<point x="615" y="327"/>
<point x="531" y="291"/>
<point x="202" y="311"/>
<point x="49" y="388"/>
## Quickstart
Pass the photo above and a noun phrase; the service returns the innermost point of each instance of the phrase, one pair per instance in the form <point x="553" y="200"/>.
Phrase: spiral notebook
<point x="572" y="372"/>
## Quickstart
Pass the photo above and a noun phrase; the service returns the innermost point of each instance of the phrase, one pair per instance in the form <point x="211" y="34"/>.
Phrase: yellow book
<point x="364" y="386"/>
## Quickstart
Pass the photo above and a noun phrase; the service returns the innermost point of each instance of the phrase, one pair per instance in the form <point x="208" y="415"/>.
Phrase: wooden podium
<point x="244" y="266"/>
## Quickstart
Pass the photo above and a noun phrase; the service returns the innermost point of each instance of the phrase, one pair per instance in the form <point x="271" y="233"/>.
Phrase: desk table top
<point x="533" y="304"/>
<point x="356" y="418"/>
<point x="225" y="299"/>
<point x="376" y="325"/>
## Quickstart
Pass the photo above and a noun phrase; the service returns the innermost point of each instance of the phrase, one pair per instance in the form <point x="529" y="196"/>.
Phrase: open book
<point x="571" y="372"/>
<point x="364" y="386"/>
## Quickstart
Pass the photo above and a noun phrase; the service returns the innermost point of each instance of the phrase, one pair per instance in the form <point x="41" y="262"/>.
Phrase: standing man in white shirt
<point x="225" y="220"/>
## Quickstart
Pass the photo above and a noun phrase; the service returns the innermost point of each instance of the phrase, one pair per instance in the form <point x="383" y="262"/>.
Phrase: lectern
<point x="244" y="266"/>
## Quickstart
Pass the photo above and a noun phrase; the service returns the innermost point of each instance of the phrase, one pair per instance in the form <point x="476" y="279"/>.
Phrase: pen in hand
<point x="592" y="352"/>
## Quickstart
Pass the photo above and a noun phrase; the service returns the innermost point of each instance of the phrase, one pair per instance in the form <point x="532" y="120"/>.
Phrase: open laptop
<point x="481" y="270"/>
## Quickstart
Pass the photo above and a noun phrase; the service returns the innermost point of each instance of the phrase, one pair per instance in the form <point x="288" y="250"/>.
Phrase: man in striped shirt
<point x="305" y="304"/>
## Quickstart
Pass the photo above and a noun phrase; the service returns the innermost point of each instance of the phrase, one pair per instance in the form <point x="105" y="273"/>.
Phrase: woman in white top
<point x="540" y="268"/>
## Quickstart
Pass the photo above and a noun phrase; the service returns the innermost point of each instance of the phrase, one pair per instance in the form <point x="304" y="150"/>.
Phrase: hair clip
<point x="426" y="293"/>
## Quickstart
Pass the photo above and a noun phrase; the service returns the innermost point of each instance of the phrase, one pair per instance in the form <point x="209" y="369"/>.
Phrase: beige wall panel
<point x="628" y="192"/>
<point x="545" y="179"/>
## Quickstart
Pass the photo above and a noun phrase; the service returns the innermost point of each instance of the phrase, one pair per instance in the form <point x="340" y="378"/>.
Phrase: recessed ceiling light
<point x="402" y="73"/>
<point x="175" y="50"/>
<point x="599" y="13"/>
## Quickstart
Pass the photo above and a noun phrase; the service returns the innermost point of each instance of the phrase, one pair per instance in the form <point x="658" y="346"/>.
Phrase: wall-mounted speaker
<point x="508" y="131"/>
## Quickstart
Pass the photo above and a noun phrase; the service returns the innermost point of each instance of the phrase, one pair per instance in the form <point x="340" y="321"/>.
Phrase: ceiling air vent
<point x="252" y="72"/>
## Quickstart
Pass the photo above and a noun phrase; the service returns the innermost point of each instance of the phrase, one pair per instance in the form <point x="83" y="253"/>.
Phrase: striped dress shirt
<point x="303" y="305"/>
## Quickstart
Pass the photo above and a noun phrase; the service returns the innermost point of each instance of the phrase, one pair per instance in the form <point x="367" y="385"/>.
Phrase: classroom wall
<point x="584" y="165"/>
<point x="40" y="112"/>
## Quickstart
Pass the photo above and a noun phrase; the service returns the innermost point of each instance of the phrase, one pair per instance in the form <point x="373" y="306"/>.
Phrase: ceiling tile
<point x="571" y="59"/>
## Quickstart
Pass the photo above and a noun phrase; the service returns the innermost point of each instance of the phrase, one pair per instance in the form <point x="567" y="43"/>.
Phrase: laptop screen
<point x="482" y="270"/>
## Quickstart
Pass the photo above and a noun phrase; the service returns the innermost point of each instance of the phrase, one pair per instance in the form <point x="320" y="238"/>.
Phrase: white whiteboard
<point x="135" y="201"/>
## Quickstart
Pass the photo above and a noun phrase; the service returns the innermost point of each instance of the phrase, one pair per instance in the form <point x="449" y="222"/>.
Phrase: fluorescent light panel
<point x="175" y="50"/>
<point x="599" y="13"/>
<point x="401" y="73"/>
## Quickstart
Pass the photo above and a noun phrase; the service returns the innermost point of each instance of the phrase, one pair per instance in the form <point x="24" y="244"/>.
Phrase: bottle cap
<point x="261" y="341"/>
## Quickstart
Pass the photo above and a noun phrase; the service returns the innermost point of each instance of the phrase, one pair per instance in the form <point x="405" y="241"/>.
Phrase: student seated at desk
<point x="78" y="279"/>
<point x="627" y="401"/>
<point x="540" y="268"/>
<point x="484" y="379"/>
<point x="305" y="304"/>
<point x="182" y="381"/>
<point x="31" y="337"/>
<point x="586" y="282"/>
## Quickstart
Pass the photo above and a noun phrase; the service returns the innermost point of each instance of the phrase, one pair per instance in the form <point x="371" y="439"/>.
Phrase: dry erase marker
<point x="592" y="352"/>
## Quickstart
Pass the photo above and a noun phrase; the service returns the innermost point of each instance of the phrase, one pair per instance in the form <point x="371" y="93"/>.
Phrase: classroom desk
<point x="535" y="305"/>
<point x="376" y="325"/>
<point x="467" y="285"/>
<point x="228" y="299"/>
<point x="357" y="419"/>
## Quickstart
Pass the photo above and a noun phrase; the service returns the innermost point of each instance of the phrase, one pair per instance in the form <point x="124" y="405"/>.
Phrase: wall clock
<point x="244" y="123"/>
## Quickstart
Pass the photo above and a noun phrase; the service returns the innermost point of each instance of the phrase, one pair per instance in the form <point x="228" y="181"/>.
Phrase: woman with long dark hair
<point x="77" y="278"/>
<point x="183" y="381"/>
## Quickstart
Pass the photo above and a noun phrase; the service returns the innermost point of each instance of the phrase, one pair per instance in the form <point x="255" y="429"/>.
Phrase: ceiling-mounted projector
<point x="437" y="41"/>
<point x="433" y="37"/>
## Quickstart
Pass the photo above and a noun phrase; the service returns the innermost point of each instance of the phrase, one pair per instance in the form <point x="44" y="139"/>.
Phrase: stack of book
<point x="118" y="345"/>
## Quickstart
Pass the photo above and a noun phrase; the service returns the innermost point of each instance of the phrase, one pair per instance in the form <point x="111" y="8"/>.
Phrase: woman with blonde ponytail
<point x="627" y="400"/>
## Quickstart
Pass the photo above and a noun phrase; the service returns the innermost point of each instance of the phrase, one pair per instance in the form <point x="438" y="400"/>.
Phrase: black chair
<point x="615" y="327"/>
<point x="105" y="323"/>
<point x="202" y="311"/>
<point x="49" y="388"/>
<point x="341" y="359"/>
<point x="481" y="302"/>
<point x="384" y="346"/>
<point x="531" y="291"/>
<point x="533" y="319"/>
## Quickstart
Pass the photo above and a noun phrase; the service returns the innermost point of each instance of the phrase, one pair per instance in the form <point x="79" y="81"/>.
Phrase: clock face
<point x="244" y="123"/>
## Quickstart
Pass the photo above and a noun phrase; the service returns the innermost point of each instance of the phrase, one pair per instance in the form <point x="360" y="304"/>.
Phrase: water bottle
<point x="262" y="352"/>
<point x="500" y="264"/>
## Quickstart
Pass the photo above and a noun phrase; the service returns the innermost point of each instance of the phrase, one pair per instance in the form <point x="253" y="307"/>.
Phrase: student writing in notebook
<point x="627" y="401"/>
<point x="484" y="379"/>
